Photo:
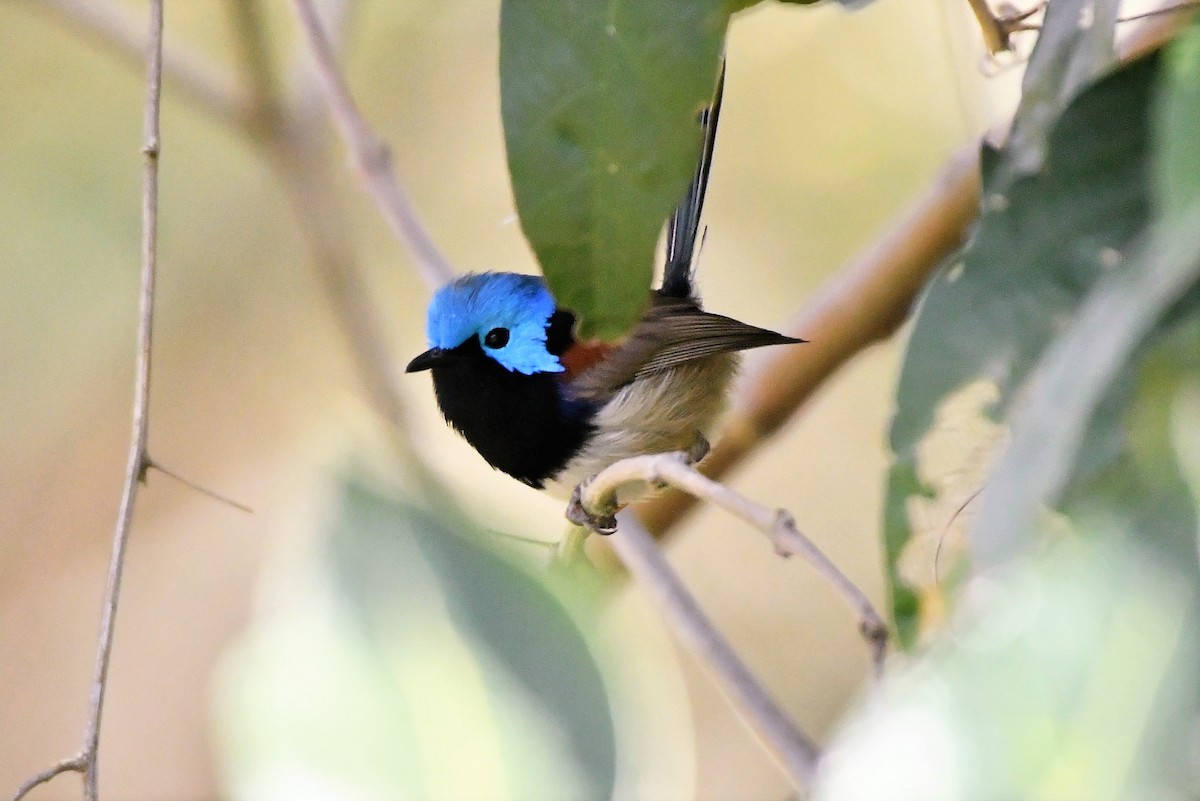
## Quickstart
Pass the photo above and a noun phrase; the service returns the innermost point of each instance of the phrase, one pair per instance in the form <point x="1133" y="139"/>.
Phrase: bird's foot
<point x="601" y="524"/>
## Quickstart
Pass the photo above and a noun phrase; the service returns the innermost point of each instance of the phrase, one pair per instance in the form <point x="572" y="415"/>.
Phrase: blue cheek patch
<point x="474" y="304"/>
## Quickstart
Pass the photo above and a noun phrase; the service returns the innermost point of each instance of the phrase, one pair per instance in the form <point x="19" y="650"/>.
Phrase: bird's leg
<point x="601" y="523"/>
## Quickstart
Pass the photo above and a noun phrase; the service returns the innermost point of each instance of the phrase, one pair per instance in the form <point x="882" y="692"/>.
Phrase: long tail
<point x="684" y="224"/>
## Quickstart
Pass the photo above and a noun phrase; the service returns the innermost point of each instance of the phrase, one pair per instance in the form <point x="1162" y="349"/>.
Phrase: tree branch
<point x="87" y="761"/>
<point x="862" y="304"/>
<point x="598" y="498"/>
<point x="370" y="156"/>
<point x="795" y="752"/>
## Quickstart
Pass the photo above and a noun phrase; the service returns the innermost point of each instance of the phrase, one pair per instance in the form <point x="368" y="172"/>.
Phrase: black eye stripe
<point x="496" y="338"/>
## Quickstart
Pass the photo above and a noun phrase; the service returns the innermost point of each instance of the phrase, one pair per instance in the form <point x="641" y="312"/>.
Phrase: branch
<point x="863" y="304"/>
<point x="196" y="80"/>
<point x="598" y="498"/>
<point x="793" y="749"/>
<point x="370" y="155"/>
<point x="87" y="760"/>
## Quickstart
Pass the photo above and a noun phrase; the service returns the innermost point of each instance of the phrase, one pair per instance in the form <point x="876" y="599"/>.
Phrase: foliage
<point x="438" y="651"/>
<point x="600" y="103"/>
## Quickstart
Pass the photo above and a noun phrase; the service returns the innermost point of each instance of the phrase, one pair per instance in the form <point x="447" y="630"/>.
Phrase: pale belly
<point x="658" y="414"/>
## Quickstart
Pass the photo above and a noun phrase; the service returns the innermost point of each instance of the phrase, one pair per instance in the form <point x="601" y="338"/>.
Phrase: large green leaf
<point x="397" y="562"/>
<point x="424" y="663"/>
<point x="599" y="99"/>
<point x="1041" y="244"/>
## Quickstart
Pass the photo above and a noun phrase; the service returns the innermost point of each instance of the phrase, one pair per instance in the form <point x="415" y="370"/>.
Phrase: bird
<point x="550" y="410"/>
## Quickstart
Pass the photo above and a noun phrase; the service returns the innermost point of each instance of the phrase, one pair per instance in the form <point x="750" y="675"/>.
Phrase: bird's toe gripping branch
<point x="604" y="522"/>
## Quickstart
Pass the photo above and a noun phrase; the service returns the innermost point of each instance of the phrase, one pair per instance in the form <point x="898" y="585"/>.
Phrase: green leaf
<point x="599" y="100"/>
<point x="1068" y="56"/>
<point x="1178" y="165"/>
<point x="1123" y="316"/>
<point x="396" y="563"/>
<point x="1041" y="244"/>
<point x="1128" y="471"/>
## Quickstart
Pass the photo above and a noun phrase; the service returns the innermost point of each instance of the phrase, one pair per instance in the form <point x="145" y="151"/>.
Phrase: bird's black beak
<point x="434" y="357"/>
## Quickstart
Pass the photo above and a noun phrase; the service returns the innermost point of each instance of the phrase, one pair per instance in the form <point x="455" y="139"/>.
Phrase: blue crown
<point x="475" y="303"/>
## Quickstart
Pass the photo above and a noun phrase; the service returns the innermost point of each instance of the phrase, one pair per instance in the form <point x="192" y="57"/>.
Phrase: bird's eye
<point x="496" y="338"/>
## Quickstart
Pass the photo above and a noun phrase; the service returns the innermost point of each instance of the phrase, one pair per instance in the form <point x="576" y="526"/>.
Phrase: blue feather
<point x="474" y="304"/>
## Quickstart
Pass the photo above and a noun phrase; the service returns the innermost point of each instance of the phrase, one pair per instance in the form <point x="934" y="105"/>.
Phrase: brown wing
<point x="673" y="331"/>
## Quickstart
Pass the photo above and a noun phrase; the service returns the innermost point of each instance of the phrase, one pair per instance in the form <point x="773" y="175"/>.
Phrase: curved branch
<point x="795" y="752"/>
<point x="597" y="496"/>
<point x="371" y="157"/>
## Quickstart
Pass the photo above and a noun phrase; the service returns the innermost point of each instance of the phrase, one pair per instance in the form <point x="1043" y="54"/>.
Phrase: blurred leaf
<point x="1178" y="163"/>
<point x="600" y="102"/>
<point x="519" y="635"/>
<point x="1040" y="245"/>
<point x="428" y="667"/>
<point x="1074" y="47"/>
<point x="1124" y="315"/>
<point x="1127" y="472"/>
<point x="1071" y="678"/>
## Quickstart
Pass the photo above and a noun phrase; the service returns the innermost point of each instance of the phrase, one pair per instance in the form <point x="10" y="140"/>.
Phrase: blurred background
<point x="234" y="674"/>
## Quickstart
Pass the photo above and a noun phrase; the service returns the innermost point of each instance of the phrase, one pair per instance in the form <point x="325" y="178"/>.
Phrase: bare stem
<point x="294" y="151"/>
<point x="598" y="497"/>
<point x="794" y="750"/>
<point x="199" y="488"/>
<point x="87" y="760"/>
<point x="75" y="764"/>
<point x="370" y="156"/>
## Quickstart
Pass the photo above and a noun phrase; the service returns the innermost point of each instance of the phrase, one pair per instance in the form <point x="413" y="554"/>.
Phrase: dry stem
<point x="793" y="749"/>
<point x="370" y="156"/>
<point x="598" y="496"/>
<point x="87" y="761"/>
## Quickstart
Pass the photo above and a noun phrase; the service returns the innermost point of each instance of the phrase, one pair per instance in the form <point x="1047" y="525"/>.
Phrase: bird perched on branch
<point x="551" y="411"/>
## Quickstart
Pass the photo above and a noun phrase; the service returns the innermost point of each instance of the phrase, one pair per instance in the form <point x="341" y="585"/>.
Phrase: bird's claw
<point x="601" y="524"/>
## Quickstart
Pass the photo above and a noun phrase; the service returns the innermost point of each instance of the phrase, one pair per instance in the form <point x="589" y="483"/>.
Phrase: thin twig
<point x="75" y="764"/>
<point x="192" y="485"/>
<point x="295" y="151"/>
<point x="794" y="750"/>
<point x="598" y="497"/>
<point x="138" y="458"/>
<point x="997" y="29"/>
<point x="87" y="760"/>
<point x="196" y="79"/>
<point x="371" y="157"/>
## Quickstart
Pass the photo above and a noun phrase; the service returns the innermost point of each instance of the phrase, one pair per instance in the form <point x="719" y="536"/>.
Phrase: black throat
<point x="525" y="425"/>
